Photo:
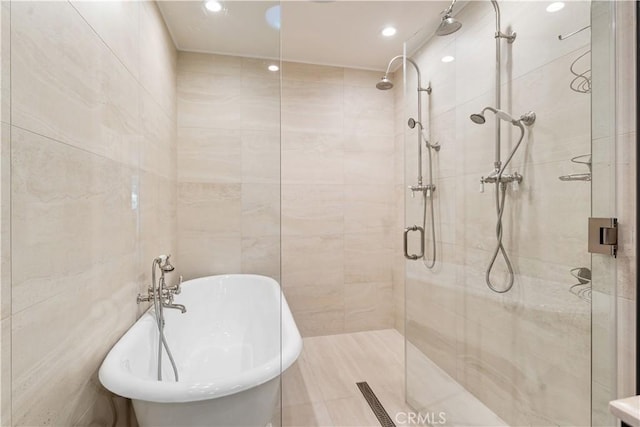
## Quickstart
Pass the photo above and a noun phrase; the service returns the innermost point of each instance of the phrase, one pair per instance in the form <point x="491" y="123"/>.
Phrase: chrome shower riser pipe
<point x="420" y="90"/>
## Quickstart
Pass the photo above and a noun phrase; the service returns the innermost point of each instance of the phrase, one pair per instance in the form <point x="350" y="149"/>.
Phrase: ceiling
<point x="342" y="33"/>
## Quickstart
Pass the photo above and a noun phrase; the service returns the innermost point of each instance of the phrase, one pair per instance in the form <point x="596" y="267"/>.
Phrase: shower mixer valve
<point x="506" y="178"/>
<point x="426" y="189"/>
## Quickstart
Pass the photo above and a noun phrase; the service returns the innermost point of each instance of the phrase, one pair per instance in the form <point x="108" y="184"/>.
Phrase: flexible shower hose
<point x="429" y="200"/>
<point x="501" y="197"/>
<point x="162" y="341"/>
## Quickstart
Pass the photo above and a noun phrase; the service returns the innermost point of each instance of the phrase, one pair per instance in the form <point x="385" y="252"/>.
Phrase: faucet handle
<point x="175" y="290"/>
<point x="143" y="298"/>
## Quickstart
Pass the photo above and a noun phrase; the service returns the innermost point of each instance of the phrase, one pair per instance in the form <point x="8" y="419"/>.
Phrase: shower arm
<point x="448" y="10"/>
<point x="420" y="89"/>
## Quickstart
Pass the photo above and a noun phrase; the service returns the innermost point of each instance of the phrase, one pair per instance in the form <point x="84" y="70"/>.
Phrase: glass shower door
<point x="522" y="357"/>
<point x="603" y="205"/>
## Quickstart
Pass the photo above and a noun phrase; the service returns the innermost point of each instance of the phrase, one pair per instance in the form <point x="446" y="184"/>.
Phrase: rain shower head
<point x="384" y="83"/>
<point x="449" y="25"/>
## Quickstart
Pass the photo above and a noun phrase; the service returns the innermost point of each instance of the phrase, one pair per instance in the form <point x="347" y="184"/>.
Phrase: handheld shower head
<point x="384" y="83"/>
<point x="478" y="119"/>
<point x="412" y="123"/>
<point x="164" y="264"/>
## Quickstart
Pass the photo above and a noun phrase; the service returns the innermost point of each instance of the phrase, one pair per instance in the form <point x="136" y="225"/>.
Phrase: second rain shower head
<point x="384" y="83"/>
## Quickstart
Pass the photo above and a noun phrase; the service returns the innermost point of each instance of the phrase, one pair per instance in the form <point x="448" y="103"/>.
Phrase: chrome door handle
<point x="406" y="243"/>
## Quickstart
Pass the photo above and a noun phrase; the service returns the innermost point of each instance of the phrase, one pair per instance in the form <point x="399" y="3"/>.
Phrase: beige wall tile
<point x="365" y="106"/>
<point x="214" y="209"/>
<point x="62" y="194"/>
<point x="316" y="299"/>
<point x="312" y="157"/>
<point x="260" y="105"/>
<point x="209" y="63"/>
<point x="158" y="143"/>
<point x="312" y="261"/>
<point x="261" y="157"/>
<point x="312" y="212"/>
<point x="94" y="188"/>
<point x="209" y="155"/>
<point x="368" y="306"/>
<point x="362" y="78"/>
<point x="67" y="84"/>
<point x="260" y="210"/>
<point x="312" y="107"/>
<point x="295" y="71"/>
<point x="209" y="101"/>
<point x="368" y="168"/>
<point x="34" y="381"/>
<point x="367" y="257"/>
<point x="158" y="58"/>
<point x="205" y="254"/>
<point x="258" y="69"/>
<point x="261" y="255"/>
<point x="157" y="223"/>
<point x="117" y="23"/>
<point x="367" y="208"/>
<point x="320" y="323"/>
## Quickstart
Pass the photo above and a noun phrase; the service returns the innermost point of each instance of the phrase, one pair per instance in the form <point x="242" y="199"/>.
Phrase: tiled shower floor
<point x="320" y="389"/>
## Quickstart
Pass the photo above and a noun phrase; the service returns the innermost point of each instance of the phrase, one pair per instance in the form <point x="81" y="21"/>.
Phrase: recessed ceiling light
<point x="448" y="58"/>
<point x="213" y="5"/>
<point x="273" y="67"/>
<point x="554" y="7"/>
<point x="389" y="31"/>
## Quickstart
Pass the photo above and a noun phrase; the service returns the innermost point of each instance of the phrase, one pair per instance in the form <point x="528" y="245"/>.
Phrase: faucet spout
<point x="180" y="307"/>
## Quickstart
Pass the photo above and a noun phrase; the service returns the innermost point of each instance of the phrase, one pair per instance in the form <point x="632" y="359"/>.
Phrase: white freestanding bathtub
<point x="230" y="347"/>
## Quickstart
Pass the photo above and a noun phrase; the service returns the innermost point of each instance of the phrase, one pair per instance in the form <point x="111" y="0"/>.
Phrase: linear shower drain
<point x="378" y="410"/>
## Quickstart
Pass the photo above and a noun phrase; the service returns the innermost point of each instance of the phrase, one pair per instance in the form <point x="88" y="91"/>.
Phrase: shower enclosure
<point x="526" y="356"/>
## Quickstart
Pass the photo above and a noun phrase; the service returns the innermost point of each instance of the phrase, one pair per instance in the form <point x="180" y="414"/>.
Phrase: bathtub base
<point x="250" y="408"/>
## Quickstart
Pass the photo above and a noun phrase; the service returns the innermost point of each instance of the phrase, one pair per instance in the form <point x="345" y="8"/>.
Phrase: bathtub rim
<point x="118" y="380"/>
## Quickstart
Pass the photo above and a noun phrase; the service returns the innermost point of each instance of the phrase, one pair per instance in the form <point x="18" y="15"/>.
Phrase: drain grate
<point x="377" y="408"/>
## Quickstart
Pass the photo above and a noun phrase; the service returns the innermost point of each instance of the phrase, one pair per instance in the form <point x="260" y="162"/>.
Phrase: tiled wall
<point x="337" y="174"/>
<point x="337" y="206"/>
<point x="525" y="354"/>
<point x="228" y="166"/>
<point x="92" y="195"/>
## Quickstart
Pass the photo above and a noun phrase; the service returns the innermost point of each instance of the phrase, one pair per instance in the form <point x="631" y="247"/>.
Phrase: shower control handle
<point x="406" y="242"/>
